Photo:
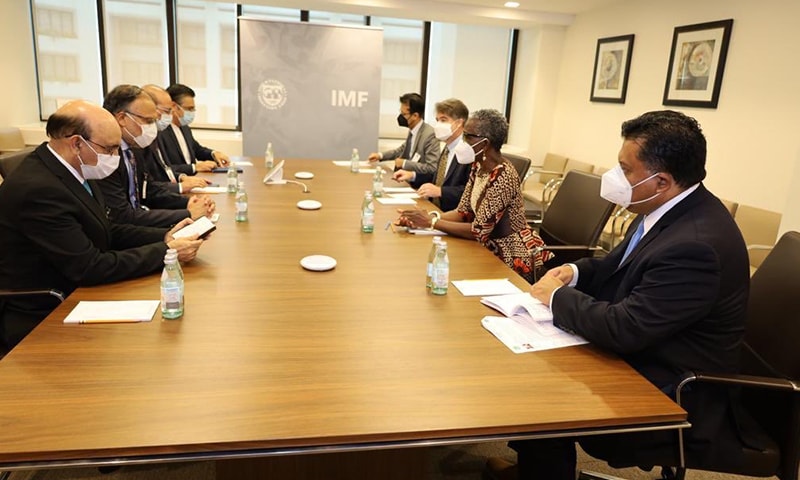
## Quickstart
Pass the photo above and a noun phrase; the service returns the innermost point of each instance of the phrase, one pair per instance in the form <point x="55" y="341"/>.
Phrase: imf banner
<point x="312" y="90"/>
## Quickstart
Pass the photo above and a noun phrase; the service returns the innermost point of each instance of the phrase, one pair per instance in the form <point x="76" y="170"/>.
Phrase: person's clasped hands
<point x="414" y="218"/>
<point x="201" y="206"/>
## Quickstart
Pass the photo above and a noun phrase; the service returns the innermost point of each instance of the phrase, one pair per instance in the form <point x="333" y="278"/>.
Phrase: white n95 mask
<point x="615" y="188"/>
<point x="442" y="130"/>
<point x="464" y="152"/>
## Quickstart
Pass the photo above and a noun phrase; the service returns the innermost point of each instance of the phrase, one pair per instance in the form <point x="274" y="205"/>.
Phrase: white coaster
<point x="304" y="175"/>
<point x="318" y="263"/>
<point x="309" y="205"/>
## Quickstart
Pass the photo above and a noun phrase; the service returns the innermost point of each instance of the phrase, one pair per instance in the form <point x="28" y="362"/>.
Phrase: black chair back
<point x="576" y="216"/>
<point x="10" y="161"/>
<point x="521" y="164"/>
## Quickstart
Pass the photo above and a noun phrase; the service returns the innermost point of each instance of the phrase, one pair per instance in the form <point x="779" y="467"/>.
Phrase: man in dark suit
<point x="420" y="152"/>
<point x="129" y="197"/>
<point x="177" y="141"/>
<point x="444" y="186"/>
<point x="670" y="299"/>
<point x="180" y="179"/>
<point x="55" y="230"/>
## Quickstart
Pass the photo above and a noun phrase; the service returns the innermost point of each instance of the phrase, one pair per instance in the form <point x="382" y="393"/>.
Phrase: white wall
<point x="18" y="81"/>
<point x="753" y="146"/>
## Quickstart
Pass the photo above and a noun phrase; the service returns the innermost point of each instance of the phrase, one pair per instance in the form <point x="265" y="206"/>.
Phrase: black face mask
<point x="402" y="120"/>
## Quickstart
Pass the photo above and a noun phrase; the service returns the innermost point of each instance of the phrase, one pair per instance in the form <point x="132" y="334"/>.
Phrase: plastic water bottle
<point x="233" y="178"/>
<point x="241" y="203"/>
<point x="269" y="157"/>
<point x="377" y="182"/>
<point x="431" y="255"/>
<point x="367" y="213"/>
<point x="354" y="161"/>
<point x="171" y="287"/>
<point x="441" y="270"/>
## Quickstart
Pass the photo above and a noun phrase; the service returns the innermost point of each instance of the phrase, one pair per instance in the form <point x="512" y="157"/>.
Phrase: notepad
<point x="396" y="201"/>
<point x="210" y="189"/>
<point x="125" y="311"/>
<point x="486" y="286"/>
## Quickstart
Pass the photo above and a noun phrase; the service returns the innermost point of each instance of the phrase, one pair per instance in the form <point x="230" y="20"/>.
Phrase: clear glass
<point x="377" y="182"/>
<point x="241" y="203"/>
<point x="367" y="213"/>
<point x="402" y="69"/>
<point x="469" y="62"/>
<point x="431" y="256"/>
<point x="135" y="41"/>
<point x="354" y="161"/>
<point x="206" y="46"/>
<point x="440" y="277"/>
<point x="67" y="52"/>
<point x="172" y="288"/>
<point x="233" y="178"/>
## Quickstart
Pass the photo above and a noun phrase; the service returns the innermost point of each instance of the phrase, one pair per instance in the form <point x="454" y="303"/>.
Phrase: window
<point x="337" y="18"/>
<point x="272" y="13"/>
<point x="136" y="42"/>
<point x="67" y="52"/>
<point x="206" y="53"/>
<point x="402" y="67"/>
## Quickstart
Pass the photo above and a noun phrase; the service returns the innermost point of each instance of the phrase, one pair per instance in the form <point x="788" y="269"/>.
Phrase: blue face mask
<point x="187" y="118"/>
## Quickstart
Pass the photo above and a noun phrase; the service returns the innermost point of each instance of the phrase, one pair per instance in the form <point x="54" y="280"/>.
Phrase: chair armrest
<point x="757" y="246"/>
<point x="26" y="293"/>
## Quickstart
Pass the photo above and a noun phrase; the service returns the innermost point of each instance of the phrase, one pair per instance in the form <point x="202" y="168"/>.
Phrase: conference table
<point x="270" y="359"/>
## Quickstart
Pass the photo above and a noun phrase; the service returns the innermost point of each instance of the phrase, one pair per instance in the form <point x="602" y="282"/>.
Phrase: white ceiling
<point x="486" y="12"/>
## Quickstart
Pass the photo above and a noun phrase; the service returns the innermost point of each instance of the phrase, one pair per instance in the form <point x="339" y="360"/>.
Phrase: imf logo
<point x="272" y="94"/>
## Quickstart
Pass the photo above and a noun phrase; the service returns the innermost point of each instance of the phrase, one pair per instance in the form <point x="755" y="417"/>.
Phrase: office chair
<point x="759" y="228"/>
<point x="575" y="219"/>
<point x="11" y="140"/>
<point x="551" y="170"/>
<point x="10" y="161"/>
<point x="45" y="295"/>
<point x="521" y="165"/>
<point x="770" y="373"/>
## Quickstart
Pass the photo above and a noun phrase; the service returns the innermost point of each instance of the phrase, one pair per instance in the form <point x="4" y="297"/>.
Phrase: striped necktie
<point x="440" y="174"/>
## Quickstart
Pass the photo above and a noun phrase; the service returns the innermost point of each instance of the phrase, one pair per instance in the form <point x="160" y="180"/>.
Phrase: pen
<point x="102" y="320"/>
<point x="388" y="224"/>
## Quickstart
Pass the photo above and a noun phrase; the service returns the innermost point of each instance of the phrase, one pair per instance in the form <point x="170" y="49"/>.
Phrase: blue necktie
<point x="637" y="235"/>
<point x="133" y="194"/>
<point x="87" y="187"/>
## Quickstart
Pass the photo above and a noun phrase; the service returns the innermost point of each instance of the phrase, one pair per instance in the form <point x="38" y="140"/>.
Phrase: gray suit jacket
<point x="426" y="145"/>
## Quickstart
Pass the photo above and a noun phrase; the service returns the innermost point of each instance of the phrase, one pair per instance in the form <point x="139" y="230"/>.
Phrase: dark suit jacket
<point x="676" y="304"/>
<point x="115" y="192"/>
<point x="452" y="186"/>
<point x="56" y="235"/>
<point x="426" y="145"/>
<point x="156" y="169"/>
<point x="172" y="149"/>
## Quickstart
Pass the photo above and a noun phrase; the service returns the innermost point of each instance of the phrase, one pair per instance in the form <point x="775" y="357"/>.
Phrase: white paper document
<point x="243" y="163"/>
<point x="371" y="171"/>
<point x="210" y="190"/>
<point x="488" y="286"/>
<point x="127" y="311"/>
<point x="396" y="201"/>
<point x="404" y="195"/>
<point x="398" y="190"/>
<point x="346" y="163"/>
<point x="425" y="231"/>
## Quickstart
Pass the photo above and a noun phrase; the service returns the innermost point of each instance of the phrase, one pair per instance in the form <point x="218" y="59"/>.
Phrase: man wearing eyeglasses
<point x="129" y="198"/>
<point x="178" y="142"/>
<point x="55" y="231"/>
<point x="420" y="152"/>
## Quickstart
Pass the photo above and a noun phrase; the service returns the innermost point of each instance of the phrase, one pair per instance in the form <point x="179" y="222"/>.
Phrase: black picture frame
<point x="612" y="66"/>
<point x="697" y="64"/>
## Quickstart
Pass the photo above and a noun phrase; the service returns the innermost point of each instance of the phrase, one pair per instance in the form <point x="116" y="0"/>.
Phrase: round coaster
<point x="309" y="205"/>
<point x="304" y="175"/>
<point x="318" y="263"/>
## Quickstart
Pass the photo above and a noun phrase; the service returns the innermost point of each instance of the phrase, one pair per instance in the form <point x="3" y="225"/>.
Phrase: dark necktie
<point x="87" y="187"/>
<point x="133" y="186"/>
<point x="407" y="151"/>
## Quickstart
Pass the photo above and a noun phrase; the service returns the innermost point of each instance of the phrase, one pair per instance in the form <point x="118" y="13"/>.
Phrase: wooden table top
<point x="271" y="356"/>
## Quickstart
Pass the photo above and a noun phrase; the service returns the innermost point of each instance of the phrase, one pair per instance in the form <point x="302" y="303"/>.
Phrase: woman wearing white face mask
<point x="491" y="209"/>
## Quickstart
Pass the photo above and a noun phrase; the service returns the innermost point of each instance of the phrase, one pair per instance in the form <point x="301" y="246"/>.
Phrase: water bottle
<point x="431" y="256"/>
<point x="441" y="270"/>
<point x="241" y="203"/>
<point x="367" y="213"/>
<point x="233" y="178"/>
<point x="377" y="182"/>
<point x="171" y="287"/>
<point x="354" y="161"/>
<point x="269" y="158"/>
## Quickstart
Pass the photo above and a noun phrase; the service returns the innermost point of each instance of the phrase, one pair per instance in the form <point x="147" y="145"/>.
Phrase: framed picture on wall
<point x="612" y="63"/>
<point x="696" y="64"/>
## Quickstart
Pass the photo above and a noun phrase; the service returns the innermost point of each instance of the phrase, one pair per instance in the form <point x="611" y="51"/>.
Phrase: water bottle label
<point x="171" y="297"/>
<point x="369" y="219"/>
<point x="440" y="277"/>
<point x="241" y="207"/>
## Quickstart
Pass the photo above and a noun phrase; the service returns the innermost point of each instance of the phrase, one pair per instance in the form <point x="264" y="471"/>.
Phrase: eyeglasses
<point x="164" y="110"/>
<point x="108" y="150"/>
<point x="467" y="135"/>
<point x="146" y="119"/>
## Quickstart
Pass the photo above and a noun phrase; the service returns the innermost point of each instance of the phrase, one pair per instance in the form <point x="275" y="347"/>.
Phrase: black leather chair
<point x="575" y="219"/>
<point x="521" y="165"/>
<point x="770" y="373"/>
<point x="10" y="161"/>
<point x="45" y="295"/>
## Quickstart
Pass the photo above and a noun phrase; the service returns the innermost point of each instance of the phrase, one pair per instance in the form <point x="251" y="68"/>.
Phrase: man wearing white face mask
<point x="177" y="141"/>
<point x="670" y="299"/>
<point x="128" y="196"/>
<point x="444" y="186"/>
<point x="53" y="218"/>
